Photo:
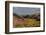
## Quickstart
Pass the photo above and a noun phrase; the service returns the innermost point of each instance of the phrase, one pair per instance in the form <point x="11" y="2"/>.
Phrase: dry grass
<point x="25" y="23"/>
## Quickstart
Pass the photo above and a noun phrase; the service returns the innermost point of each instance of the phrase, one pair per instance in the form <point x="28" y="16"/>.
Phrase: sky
<point x="25" y="10"/>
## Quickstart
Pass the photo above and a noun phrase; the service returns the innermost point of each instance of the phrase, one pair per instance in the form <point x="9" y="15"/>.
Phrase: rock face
<point x="33" y="16"/>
